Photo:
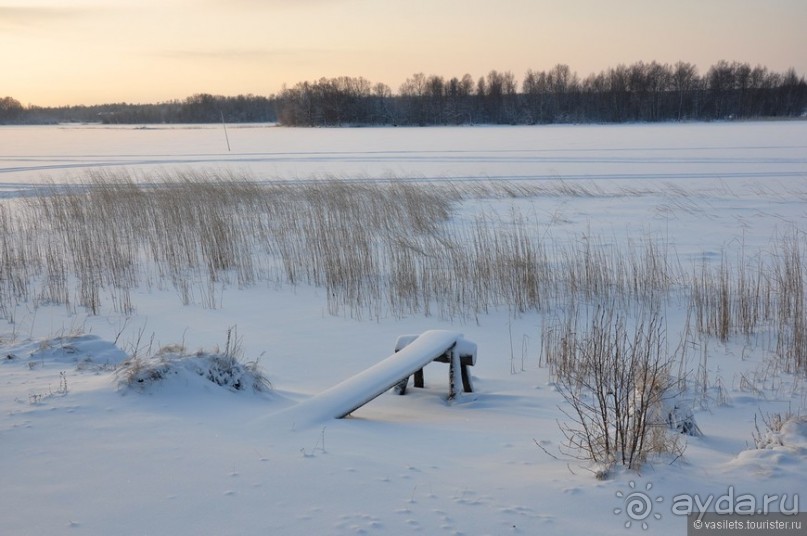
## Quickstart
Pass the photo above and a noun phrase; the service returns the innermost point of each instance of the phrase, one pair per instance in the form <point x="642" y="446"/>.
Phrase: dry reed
<point x="378" y="248"/>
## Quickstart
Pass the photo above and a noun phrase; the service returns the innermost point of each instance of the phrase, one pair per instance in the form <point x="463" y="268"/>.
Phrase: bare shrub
<point x="614" y="378"/>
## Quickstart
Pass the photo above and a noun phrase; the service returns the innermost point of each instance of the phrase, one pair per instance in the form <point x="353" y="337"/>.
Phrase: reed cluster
<point x="379" y="248"/>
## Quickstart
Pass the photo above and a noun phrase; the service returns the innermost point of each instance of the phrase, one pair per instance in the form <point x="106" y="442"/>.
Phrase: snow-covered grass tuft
<point x="224" y="369"/>
<point x="778" y="429"/>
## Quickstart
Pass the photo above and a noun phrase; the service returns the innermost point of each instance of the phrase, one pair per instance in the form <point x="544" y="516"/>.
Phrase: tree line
<point x="200" y="108"/>
<point x="640" y="92"/>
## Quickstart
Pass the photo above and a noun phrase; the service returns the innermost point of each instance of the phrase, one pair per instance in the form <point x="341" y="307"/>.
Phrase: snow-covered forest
<point x="645" y="92"/>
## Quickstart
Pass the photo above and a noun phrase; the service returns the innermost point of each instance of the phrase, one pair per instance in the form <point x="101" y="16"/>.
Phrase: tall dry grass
<point x="751" y="295"/>
<point x="402" y="248"/>
<point x="378" y="248"/>
<point x="79" y="244"/>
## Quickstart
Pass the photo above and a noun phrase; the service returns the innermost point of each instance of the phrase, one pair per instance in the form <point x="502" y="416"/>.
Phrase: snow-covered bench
<point x="466" y="351"/>
<point x="412" y="353"/>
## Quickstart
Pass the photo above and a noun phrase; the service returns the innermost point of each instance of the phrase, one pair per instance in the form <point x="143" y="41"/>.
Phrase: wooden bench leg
<point x="400" y="387"/>
<point x="419" y="378"/>
<point x="467" y="385"/>
<point x="453" y="374"/>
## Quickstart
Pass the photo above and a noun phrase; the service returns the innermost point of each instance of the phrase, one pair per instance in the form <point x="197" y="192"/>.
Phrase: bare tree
<point x="10" y="110"/>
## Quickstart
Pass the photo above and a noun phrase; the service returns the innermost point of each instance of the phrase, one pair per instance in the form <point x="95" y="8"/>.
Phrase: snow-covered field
<point x="80" y="454"/>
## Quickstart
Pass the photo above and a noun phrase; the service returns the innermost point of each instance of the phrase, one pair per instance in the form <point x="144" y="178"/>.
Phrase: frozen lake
<point x="672" y="152"/>
<point x="669" y="180"/>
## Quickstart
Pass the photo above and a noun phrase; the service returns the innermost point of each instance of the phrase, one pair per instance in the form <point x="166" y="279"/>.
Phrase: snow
<point x="80" y="454"/>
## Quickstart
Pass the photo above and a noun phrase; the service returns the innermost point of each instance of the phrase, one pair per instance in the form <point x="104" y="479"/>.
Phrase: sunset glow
<point x="58" y="52"/>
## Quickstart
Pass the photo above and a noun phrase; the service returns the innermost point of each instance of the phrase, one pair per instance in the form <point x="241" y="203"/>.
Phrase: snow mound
<point x="789" y="436"/>
<point x="776" y="451"/>
<point x="83" y="351"/>
<point x="171" y="363"/>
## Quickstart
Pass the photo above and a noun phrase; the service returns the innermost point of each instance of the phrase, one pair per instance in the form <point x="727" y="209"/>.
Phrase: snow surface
<point x="81" y="455"/>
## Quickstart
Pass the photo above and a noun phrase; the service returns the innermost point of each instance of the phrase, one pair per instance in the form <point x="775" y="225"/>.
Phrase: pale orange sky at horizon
<point x="64" y="52"/>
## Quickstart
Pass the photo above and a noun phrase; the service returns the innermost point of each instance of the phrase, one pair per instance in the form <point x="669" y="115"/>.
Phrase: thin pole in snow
<point x="226" y="137"/>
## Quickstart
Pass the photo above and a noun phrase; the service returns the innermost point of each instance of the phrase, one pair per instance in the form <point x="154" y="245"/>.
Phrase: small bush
<point x="615" y="378"/>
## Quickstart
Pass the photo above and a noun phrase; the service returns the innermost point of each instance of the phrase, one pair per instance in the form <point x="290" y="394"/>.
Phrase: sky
<point x="64" y="52"/>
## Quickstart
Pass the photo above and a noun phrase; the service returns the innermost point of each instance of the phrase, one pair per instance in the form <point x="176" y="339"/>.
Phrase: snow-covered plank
<point x="349" y="395"/>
